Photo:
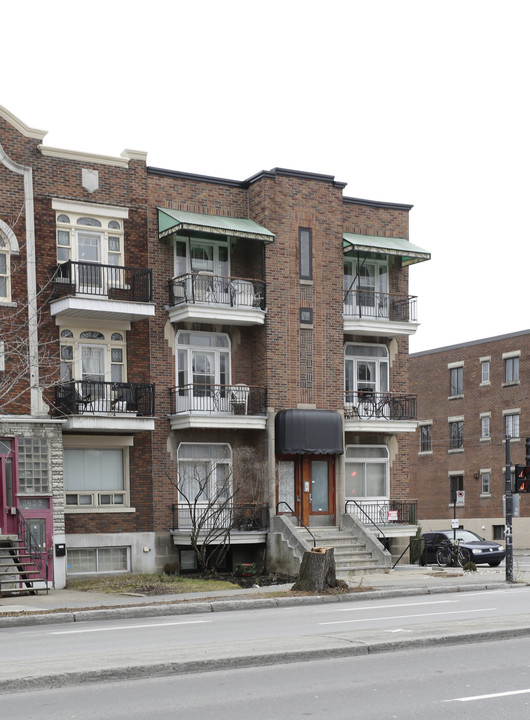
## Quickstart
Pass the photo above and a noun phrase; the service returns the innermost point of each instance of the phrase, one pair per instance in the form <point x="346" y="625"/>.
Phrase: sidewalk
<point x="73" y="605"/>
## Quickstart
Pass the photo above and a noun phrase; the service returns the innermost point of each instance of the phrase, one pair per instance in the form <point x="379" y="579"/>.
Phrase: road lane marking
<point x="401" y="617"/>
<point x="128" y="627"/>
<point x="490" y="696"/>
<point x="395" y="605"/>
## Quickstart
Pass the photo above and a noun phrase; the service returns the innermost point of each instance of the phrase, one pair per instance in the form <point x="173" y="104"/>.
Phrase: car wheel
<point x="495" y="564"/>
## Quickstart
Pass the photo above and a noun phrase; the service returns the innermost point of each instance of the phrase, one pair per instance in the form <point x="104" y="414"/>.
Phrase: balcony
<point x="375" y="313"/>
<point x="245" y="522"/>
<point x="390" y="412"/>
<point x="205" y="298"/>
<point x="93" y="405"/>
<point x="105" y="292"/>
<point x="218" y="406"/>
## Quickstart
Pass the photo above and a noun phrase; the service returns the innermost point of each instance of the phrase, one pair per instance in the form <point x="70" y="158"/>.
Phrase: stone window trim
<point x="422" y="424"/>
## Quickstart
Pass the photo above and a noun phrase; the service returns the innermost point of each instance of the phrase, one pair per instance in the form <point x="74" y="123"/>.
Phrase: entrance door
<point x="306" y="484"/>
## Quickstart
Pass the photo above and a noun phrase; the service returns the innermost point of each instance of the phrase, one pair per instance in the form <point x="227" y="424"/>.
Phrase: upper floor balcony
<point x="371" y="312"/>
<point x="205" y="298"/>
<point x="388" y="412"/>
<point x="94" y="405"/>
<point x="103" y="292"/>
<point x="202" y="405"/>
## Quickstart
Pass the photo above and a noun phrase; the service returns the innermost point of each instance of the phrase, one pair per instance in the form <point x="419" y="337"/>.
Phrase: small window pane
<point x="89" y="221"/>
<point x="63" y="237"/>
<point x="114" y="244"/>
<point x="63" y="218"/>
<point x="114" y="225"/>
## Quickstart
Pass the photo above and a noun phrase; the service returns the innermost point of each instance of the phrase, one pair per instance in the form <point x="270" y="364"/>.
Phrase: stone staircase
<point x="19" y="571"/>
<point x="354" y="556"/>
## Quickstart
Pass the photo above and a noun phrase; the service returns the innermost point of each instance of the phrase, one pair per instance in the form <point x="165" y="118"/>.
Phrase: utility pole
<point x="509" y="513"/>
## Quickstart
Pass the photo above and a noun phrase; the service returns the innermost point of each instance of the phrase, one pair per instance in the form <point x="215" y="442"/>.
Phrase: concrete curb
<point x="187" y="608"/>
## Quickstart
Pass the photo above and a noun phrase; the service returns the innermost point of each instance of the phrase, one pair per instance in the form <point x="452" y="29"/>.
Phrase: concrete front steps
<point x="353" y="555"/>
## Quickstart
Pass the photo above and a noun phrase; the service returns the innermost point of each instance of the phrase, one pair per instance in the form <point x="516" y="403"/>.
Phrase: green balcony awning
<point x="171" y="221"/>
<point x="408" y="252"/>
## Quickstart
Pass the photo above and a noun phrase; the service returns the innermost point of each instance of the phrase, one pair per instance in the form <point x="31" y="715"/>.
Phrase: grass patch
<point x="148" y="584"/>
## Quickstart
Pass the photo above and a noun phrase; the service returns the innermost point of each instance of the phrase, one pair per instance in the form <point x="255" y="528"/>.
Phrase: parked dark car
<point x="481" y="551"/>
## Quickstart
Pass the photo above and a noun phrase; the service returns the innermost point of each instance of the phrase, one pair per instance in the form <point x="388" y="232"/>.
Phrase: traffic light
<point x="522" y="479"/>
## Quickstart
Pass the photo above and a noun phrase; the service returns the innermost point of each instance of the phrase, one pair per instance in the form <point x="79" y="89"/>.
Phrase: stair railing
<point x="359" y="507"/>
<point x="31" y="544"/>
<point x="282" y="502"/>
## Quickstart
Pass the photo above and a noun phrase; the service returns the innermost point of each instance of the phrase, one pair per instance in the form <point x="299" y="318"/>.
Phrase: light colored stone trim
<point x="85" y="157"/>
<point x="76" y="206"/>
<point x="22" y="128"/>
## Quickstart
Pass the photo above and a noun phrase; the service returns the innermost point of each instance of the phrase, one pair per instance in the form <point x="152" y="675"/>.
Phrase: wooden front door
<point x="307" y="485"/>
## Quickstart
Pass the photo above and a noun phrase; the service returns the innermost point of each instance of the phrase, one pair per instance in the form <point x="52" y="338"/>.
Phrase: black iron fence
<point x="383" y="512"/>
<point x="217" y="289"/>
<point x="211" y="399"/>
<point x="365" y="405"/>
<point x="381" y="306"/>
<point x="96" y="397"/>
<point x="110" y="281"/>
<point x="38" y="556"/>
<point x="245" y="517"/>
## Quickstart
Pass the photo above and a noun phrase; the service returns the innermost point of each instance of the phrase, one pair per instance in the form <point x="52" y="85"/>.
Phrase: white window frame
<point x="366" y="461"/>
<point x="376" y="292"/>
<point x="184" y="265"/>
<point x="352" y="362"/>
<point x="511" y="424"/>
<point x="509" y="360"/>
<point x="73" y="365"/>
<point x="97" y="551"/>
<point x="91" y="500"/>
<point x="485" y="427"/>
<point x="6" y="274"/>
<point x="485" y="482"/>
<point x="485" y="370"/>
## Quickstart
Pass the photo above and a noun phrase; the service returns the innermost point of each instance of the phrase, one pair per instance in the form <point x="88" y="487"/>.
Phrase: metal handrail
<point x="114" y="282"/>
<point x="409" y="546"/>
<point x="302" y="523"/>
<point x="39" y="558"/>
<point x="348" y="502"/>
<point x="217" y="289"/>
<point x="367" y="303"/>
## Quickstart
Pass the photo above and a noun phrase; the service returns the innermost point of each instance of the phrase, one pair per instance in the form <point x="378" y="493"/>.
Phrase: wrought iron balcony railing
<point x="112" y="282"/>
<point x="217" y="290"/>
<point x="211" y="399"/>
<point x="90" y="397"/>
<point x="383" y="512"/>
<point x="380" y="306"/>
<point x="245" y="517"/>
<point x="368" y="405"/>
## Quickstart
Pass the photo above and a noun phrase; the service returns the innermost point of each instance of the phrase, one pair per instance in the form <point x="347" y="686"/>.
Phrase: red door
<point x="8" y="486"/>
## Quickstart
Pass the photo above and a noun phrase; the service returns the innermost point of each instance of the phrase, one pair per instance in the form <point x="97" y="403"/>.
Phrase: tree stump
<point x="317" y="571"/>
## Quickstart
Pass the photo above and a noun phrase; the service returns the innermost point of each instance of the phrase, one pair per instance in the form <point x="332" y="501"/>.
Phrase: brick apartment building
<point x="471" y="396"/>
<point x="270" y="317"/>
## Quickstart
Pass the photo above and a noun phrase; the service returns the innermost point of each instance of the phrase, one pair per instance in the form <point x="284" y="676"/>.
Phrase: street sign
<point x="460" y="497"/>
<point x="392" y="516"/>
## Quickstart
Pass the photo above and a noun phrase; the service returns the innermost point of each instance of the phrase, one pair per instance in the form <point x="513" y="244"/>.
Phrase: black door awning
<point x="308" y="432"/>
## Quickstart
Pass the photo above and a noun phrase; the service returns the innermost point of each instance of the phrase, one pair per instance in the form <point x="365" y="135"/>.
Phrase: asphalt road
<point x="476" y="682"/>
<point x="127" y="648"/>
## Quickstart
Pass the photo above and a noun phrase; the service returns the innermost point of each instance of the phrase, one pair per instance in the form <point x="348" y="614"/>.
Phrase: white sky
<point x="411" y="101"/>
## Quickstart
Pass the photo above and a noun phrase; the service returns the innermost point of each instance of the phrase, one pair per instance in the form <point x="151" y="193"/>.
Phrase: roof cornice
<point x="22" y="128"/>
<point x="376" y="203"/>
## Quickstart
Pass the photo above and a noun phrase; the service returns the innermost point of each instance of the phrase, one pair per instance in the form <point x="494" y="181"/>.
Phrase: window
<point x="511" y="425"/>
<point x="89" y="239"/>
<point x="456" y="484"/>
<point x="484" y="372"/>
<point x="33" y="467"/>
<point x="485" y="479"/>
<point x="425" y="438"/>
<point x="5" y="290"/>
<point x="456" y="435"/>
<point x="204" y="474"/>
<point x="96" y="477"/>
<point x="203" y="370"/>
<point x="195" y="255"/>
<point x="485" y="427"/>
<point x="8" y="470"/>
<point x="366" y="471"/>
<point x="456" y="381"/>
<point x="366" y="288"/>
<point x="498" y="532"/>
<point x="93" y="356"/>
<point x="365" y="372"/>
<point x="2" y="356"/>
<point x="305" y="243"/>
<point x="97" y="560"/>
<point x="511" y="370"/>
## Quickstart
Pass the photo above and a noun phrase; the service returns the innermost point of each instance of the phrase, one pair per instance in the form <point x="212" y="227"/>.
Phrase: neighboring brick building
<point x="471" y="396"/>
<point x="272" y="316"/>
